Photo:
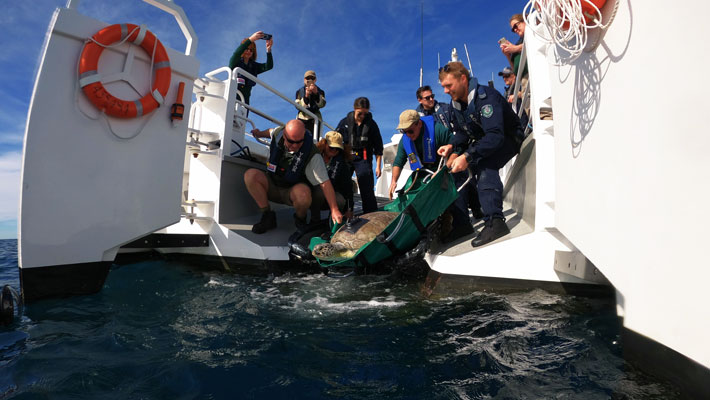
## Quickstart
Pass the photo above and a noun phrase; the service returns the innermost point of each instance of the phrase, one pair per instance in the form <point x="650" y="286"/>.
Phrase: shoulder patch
<point x="487" y="111"/>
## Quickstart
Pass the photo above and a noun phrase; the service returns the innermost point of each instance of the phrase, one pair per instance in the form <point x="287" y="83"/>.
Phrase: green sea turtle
<point x="353" y="235"/>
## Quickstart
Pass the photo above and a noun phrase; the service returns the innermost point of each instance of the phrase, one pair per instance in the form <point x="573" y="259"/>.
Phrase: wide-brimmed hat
<point x="407" y="118"/>
<point x="334" y="139"/>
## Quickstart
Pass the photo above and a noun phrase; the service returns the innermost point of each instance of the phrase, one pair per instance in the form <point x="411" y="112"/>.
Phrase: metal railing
<point x="516" y="90"/>
<point x="318" y="121"/>
<point x="171" y="8"/>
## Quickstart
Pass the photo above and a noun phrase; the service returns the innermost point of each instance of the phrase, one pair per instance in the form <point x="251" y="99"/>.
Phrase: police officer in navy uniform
<point x="440" y="111"/>
<point x="488" y="135"/>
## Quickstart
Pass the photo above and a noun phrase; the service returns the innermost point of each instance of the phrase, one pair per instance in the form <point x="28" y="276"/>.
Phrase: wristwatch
<point x="468" y="157"/>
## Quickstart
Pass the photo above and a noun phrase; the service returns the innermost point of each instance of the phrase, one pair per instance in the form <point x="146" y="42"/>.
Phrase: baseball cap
<point x="407" y="118"/>
<point x="505" y="71"/>
<point x="309" y="73"/>
<point x="334" y="139"/>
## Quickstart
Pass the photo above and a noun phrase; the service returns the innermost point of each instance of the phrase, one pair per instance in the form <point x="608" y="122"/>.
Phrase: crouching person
<point x="294" y="166"/>
<point x="338" y="161"/>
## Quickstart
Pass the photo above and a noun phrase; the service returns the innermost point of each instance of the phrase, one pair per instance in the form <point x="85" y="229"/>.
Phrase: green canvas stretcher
<point x="423" y="199"/>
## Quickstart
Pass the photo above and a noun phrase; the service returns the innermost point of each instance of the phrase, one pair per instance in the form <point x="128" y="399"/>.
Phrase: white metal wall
<point x="632" y="168"/>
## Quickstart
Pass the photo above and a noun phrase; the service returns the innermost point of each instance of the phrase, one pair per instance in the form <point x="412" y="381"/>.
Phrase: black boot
<point x="268" y="221"/>
<point x="458" y="232"/>
<point x="495" y="228"/>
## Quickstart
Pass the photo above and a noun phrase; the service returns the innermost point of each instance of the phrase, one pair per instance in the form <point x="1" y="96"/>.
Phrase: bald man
<point x="294" y="163"/>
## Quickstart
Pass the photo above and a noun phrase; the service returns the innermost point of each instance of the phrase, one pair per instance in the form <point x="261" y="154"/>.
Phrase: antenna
<point x="469" y="59"/>
<point x="421" y="69"/>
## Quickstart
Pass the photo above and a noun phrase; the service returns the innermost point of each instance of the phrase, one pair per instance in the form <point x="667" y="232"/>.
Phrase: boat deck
<point x="285" y="226"/>
<point x="517" y="226"/>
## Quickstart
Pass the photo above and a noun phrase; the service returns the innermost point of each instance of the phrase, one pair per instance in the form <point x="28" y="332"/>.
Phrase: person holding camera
<point x="245" y="57"/>
<point x="310" y="97"/>
<point x="513" y="51"/>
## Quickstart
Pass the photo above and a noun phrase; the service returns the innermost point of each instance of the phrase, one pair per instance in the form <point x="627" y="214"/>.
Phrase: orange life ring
<point x="90" y="80"/>
<point x="590" y="14"/>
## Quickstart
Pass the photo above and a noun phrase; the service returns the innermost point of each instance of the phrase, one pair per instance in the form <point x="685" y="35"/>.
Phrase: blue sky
<point x="357" y="48"/>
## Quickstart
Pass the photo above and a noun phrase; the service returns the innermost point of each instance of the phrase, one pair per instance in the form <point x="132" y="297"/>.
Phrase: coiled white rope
<point x="566" y="24"/>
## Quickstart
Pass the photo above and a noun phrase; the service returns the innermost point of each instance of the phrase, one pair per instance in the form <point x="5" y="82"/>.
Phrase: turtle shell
<point x="353" y="235"/>
<point x="363" y="230"/>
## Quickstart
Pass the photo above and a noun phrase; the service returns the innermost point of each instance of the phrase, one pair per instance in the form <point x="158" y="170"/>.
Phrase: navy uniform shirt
<point x="440" y="112"/>
<point x="485" y="124"/>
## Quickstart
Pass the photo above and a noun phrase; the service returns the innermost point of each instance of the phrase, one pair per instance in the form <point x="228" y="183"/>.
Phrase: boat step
<point x="199" y="132"/>
<point x="195" y="203"/>
<point x="203" y="93"/>
<point x="194" y="216"/>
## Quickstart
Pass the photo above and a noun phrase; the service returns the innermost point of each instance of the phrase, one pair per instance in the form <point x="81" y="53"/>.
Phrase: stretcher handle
<point x="432" y="173"/>
<point x="384" y="240"/>
<point x="470" y="176"/>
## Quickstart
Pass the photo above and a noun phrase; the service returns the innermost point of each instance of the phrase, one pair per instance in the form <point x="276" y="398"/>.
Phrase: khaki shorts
<point x="278" y="194"/>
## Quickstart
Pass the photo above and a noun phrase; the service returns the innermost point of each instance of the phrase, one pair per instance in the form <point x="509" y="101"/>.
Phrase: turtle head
<point x="329" y="251"/>
<point x="323" y="250"/>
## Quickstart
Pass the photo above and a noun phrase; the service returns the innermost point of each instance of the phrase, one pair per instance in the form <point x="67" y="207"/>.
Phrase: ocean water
<point x="166" y="330"/>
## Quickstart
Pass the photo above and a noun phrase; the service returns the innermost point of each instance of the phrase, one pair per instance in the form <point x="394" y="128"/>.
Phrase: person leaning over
<point x="361" y="132"/>
<point x="312" y="98"/>
<point x="491" y="136"/>
<point x="422" y="138"/>
<point x="245" y="57"/>
<point x="511" y="51"/>
<point x="337" y="158"/>
<point x="429" y="106"/>
<point x="294" y="163"/>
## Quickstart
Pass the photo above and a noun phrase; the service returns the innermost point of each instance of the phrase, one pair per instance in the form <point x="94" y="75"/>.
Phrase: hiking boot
<point x="268" y="221"/>
<point x="458" y="232"/>
<point x="495" y="228"/>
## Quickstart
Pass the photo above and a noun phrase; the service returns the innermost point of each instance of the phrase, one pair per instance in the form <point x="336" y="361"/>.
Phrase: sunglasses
<point x="407" y="131"/>
<point x="310" y="78"/>
<point x="294" y="141"/>
<point x="431" y="97"/>
<point x="515" y="26"/>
